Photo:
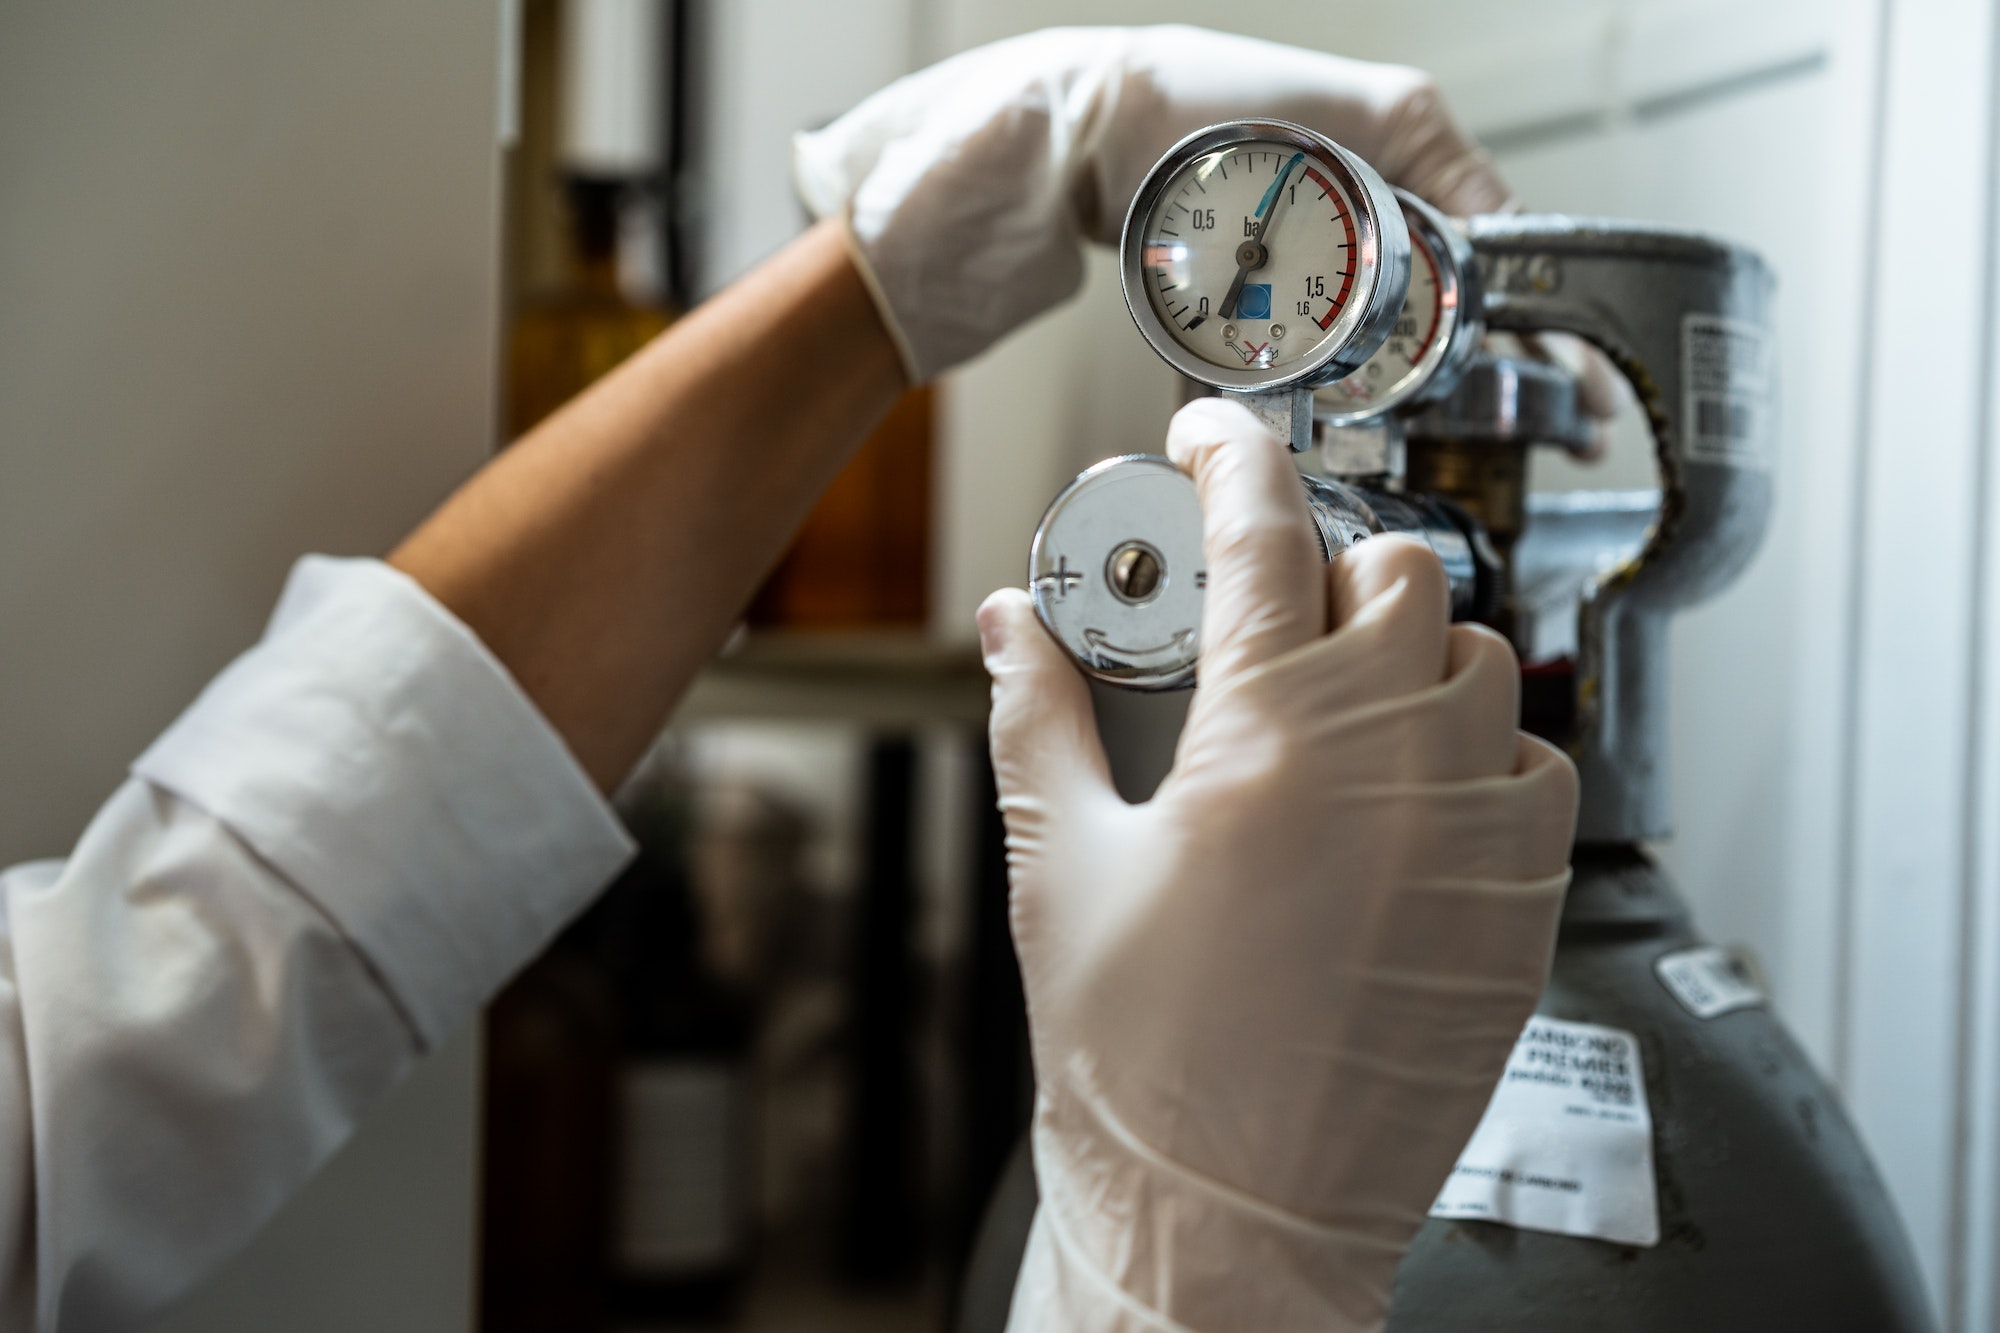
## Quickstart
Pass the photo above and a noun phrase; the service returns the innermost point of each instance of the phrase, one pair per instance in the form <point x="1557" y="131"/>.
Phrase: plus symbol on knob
<point x="1062" y="578"/>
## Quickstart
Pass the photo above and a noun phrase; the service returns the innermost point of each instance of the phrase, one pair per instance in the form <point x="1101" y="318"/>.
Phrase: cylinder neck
<point x="1617" y="889"/>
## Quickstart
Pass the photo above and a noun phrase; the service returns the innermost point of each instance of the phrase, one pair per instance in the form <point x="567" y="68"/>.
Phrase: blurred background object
<point x="351" y="215"/>
<point x="863" y="557"/>
<point x="711" y="1095"/>
<point x="602" y="137"/>
<point x="604" y="226"/>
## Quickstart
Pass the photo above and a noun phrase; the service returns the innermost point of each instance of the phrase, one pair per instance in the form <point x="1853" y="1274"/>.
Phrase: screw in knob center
<point x="1136" y="573"/>
<point x="1250" y="255"/>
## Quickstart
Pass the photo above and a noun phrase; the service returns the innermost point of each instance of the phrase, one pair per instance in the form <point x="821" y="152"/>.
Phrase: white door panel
<point x="1913" y="824"/>
<point x="248" y="309"/>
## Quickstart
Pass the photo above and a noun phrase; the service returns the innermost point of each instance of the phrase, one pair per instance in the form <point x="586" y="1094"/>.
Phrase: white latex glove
<point x="1270" y="1004"/>
<point x="969" y="187"/>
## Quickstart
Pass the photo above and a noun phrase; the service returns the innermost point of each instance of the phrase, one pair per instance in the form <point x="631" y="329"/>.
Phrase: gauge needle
<point x="1251" y="254"/>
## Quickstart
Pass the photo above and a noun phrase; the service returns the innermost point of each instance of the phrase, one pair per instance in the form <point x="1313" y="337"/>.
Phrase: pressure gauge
<point x="1435" y="335"/>
<point x="1263" y="259"/>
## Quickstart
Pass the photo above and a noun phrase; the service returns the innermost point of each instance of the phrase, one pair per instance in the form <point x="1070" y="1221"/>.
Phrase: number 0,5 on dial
<point x="1257" y="253"/>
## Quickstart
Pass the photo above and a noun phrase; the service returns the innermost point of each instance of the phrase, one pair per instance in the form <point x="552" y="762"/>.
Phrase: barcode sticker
<point x="1709" y="981"/>
<point x="1727" y="383"/>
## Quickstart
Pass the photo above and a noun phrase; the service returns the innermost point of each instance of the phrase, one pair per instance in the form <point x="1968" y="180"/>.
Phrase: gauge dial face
<point x="1403" y="357"/>
<point x="1250" y="254"/>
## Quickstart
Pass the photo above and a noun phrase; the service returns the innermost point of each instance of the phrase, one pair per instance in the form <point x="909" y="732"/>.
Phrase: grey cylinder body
<point x="1771" y="1215"/>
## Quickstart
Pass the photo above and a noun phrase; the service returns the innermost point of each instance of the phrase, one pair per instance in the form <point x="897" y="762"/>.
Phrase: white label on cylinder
<point x="1566" y="1144"/>
<point x="1708" y="981"/>
<point x="680" y="1200"/>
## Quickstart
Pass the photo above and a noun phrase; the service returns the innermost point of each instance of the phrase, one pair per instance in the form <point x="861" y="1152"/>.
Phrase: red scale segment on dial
<point x="1339" y="298"/>
<point x="1421" y="251"/>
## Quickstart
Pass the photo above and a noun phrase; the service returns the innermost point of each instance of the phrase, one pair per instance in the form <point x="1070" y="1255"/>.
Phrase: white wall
<point x="248" y="285"/>
<point x="1693" y="164"/>
<point x="1919" y="952"/>
<point x="763" y="70"/>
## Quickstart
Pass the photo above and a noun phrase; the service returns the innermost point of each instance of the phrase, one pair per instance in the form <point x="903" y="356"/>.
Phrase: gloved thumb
<point x="1266" y="592"/>
<point x="1046" y="752"/>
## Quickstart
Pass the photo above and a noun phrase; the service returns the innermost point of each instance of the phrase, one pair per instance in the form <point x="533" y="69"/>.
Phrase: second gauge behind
<point x="1357" y="420"/>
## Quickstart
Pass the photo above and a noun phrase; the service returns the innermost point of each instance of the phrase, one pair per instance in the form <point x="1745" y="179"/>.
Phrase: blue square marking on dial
<point x="1254" y="301"/>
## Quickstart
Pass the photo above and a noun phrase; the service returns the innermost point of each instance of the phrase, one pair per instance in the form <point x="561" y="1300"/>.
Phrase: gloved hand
<point x="1270" y="1004"/>
<point x="968" y="187"/>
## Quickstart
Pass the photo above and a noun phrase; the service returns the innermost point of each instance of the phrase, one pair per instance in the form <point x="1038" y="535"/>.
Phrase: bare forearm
<point x="604" y="557"/>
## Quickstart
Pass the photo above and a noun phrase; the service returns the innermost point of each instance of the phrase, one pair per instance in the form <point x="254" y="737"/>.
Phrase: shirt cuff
<point x="376" y="754"/>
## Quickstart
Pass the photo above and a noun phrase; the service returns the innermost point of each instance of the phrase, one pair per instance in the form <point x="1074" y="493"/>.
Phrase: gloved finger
<point x="1458" y="729"/>
<point x="1264" y="591"/>
<point x="1388" y="605"/>
<point x="1442" y="933"/>
<point x="1046" y="751"/>
<point x="1514" y="827"/>
<point x="1479" y="703"/>
<point x="1426" y="151"/>
<point x="1478" y="919"/>
<point x="1389" y="595"/>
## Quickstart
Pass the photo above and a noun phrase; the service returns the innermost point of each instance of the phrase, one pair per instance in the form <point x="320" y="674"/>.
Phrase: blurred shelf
<point x="807" y="1308"/>
<point x="792" y="1290"/>
<point x="877" y="678"/>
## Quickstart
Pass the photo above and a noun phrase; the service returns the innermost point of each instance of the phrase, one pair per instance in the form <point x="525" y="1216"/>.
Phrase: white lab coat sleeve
<point x="353" y="837"/>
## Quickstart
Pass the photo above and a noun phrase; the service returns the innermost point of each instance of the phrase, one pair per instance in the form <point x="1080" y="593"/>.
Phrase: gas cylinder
<point x="1743" y="1199"/>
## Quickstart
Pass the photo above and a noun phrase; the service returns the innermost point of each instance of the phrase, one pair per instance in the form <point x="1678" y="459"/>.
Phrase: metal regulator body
<point x="1762" y="1210"/>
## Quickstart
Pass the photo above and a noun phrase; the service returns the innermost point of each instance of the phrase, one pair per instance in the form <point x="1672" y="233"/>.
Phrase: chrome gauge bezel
<point x="1381" y="278"/>
<point x="1461" y="318"/>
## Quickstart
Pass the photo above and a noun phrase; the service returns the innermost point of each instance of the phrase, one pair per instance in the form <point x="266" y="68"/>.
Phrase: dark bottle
<point x="882" y="1240"/>
<point x="680" y="1212"/>
<point x="551" y="1066"/>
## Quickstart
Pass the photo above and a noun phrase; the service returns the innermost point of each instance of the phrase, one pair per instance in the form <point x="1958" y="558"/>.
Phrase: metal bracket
<point x="1288" y="413"/>
<point x="1687" y="320"/>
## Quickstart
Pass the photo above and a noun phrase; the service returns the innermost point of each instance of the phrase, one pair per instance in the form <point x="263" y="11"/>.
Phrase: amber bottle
<point x="562" y="341"/>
